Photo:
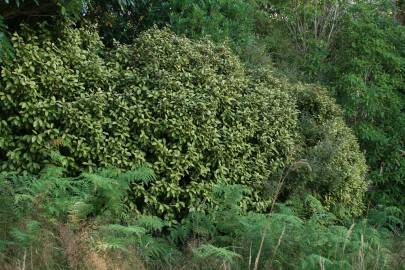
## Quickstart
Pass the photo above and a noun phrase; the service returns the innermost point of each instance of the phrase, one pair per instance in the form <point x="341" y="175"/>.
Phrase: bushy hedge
<point x="338" y="168"/>
<point x="334" y="169"/>
<point x="187" y="108"/>
<point x="54" y="91"/>
<point x="199" y="120"/>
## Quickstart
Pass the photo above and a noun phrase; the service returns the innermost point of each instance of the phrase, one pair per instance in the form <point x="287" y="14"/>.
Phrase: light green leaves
<point x="189" y="109"/>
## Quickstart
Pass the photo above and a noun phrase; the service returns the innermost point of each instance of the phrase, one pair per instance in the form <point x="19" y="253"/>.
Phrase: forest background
<point x="206" y="134"/>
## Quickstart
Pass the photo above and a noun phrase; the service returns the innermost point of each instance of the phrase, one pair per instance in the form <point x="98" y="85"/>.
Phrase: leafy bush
<point x="338" y="168"/>
<point x="330" y="165"/>
<point x="188" y="108"/>
<point x="50" y="88"/>
<point x="185" y="107"/>
<point x="356" y="49"/>
<point x="197" y="118"/>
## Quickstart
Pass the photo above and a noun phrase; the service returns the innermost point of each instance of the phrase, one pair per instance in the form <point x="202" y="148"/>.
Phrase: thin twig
<point x="260" y="250"/>
<point x="278" y="242"/>
<point x="250" y="255"/>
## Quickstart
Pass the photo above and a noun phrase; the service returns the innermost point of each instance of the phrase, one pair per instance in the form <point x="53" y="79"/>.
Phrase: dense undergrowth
<point x="209" y="134"/>
<point x="191" y="109"/>
<point x="56" y="222"/>
<point x="355" y="49"/>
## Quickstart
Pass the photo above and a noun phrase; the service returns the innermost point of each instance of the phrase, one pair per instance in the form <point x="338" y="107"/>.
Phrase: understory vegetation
<point x="220" y="134"/>
<point x="59" y="222"/>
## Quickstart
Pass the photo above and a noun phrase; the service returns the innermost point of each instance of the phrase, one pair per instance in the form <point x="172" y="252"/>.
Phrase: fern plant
<point x="223" y="236"/>
<point x="225" y="257"/>
<point x="58" y="222"/>
<point x="51" y="209"/>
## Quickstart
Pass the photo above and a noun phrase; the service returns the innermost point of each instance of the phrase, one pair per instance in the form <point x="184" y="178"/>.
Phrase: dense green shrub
<point x="334" y="168"/>
<point x="338" y="168"/>
<point x="188" y="108"/>
<point x="48" y="93"/>
<point x="185" y="107"/>
<point x="356" y="49"/>
<point x="197" y="118"/>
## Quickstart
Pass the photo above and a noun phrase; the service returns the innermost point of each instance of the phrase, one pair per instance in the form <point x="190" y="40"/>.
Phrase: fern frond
<point x="220" y="253"/>
<point x="112" y="244"/>
<point x="142" y="174"/>
<point x="58" y="159"/>
<point x="150" y="223"/>
<point x="20" y="198"/>
<point x="123" y="230"/>
<point x="316" y="261"/>
<point x="27" y="236"/>
<point x="79" y="211"/>
<point x="100" y="182"/>
<point x="156" y="249"/>
<point x="52" y="172"/>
